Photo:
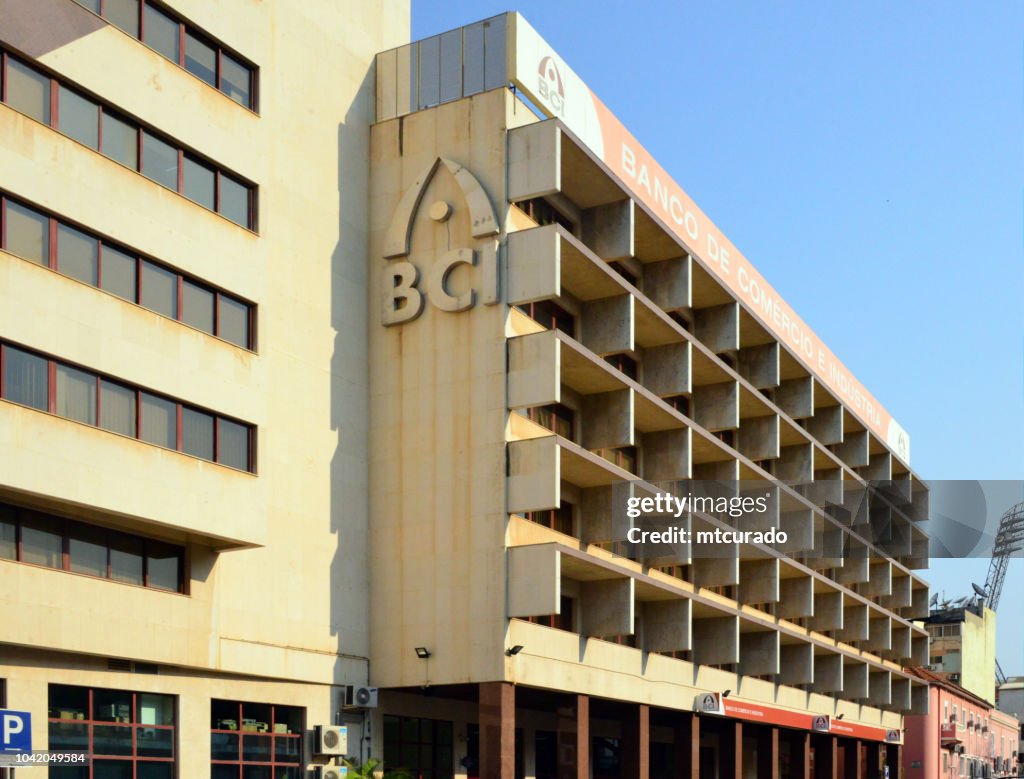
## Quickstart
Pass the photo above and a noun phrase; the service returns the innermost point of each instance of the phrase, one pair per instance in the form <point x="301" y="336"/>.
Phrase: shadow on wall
<point x="38" y="27"/>
<point x="349" y="503"/>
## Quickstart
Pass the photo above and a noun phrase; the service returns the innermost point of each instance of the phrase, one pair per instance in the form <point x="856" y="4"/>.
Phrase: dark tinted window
<point x="197" y="306"/>
<point x="25" y="378"/>
<point x="198" y="183"/>
<point x="159" y="421"/>
<point x="120" y="141"/>
<point x="126" y="559"/>
<point x="79" y="118"/>
<point x="200" y="59"/>
<point x="159" y="290"/>
<point x="27" y="233"/>
<point x="233" y="321"/>
<point x="197" y="433"/>
<point x="162" y="33"/>
<point x="124" y="14"/>
<point x="235" y="80"/>
<point x="159" y="161"/>
<point x="233" y="444"/>
<point x="234" y="201"/>
<point x="119" y="273"/>
<point x="28" y="91"/>
<point x="76" y="394"/>
<point x="77" y="254"/>
<point x="117" y="408"/>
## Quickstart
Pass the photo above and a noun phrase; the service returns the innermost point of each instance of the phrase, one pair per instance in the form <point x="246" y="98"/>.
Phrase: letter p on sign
<point x="15" y="731"/>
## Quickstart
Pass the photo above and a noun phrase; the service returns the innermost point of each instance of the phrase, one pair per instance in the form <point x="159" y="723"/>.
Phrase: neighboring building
<point x="963" y="646"/>
<point x="552" y="317"/>
<point x="183" y="351"/>
<point x="962" y="735"/>
<point x="1010" y="700"/>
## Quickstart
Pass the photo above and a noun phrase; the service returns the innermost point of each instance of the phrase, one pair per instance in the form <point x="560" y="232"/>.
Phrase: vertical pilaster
<point x="732" y="750"/>
<point x="825" y="758"/>
<point x="636" y="742"/>
<point x="574" y="740"/>
<point x="497" y="730"/>
<point x="687" y="740"/>
<point x="800" y="755"/>
<point x="768" y="753"/>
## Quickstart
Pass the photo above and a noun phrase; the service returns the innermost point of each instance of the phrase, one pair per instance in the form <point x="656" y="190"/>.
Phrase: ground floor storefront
<point x="503" y="731"/>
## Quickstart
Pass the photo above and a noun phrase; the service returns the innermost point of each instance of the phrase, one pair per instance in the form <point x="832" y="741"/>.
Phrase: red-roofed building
<point x="962" y="735"/>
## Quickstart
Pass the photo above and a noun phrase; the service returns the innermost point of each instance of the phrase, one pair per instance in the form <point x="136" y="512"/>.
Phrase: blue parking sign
<point x="15" y="731"/>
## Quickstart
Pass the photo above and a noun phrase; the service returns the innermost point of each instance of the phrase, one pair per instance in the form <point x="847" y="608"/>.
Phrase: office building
<point x="963" y="645"/>
<point x="326" y="371"/>
<point x="553" y="318"/>
<point x="183" y="347"/>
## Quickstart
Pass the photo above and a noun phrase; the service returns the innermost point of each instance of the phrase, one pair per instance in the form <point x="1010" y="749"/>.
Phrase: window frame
<point x="139" y="391"/>
<point x="185" y="27"/>
<point x="68" y="526"/>
<point x="273" y="763"/>
<point x="141" y="129"/>
<point x="55" y="222"/>
<point x="90" y="722"/>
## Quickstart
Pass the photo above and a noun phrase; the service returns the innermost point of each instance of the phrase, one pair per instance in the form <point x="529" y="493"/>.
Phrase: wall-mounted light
<point x="422" y="652"/>
<point x="726" y="693"/>
<point x="841" y="716"/>
<point x="515" y="650"/>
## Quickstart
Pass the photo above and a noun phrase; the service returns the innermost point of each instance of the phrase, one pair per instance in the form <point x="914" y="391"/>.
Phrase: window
<point x="79" y="394"/>
<point x="543" y="213"/>
<point x="128" y="734"/>
<point x="54" y="541"/>
<point x="551" y="315"/>
<point x="159" y="161"/>
<point x="25" y="378"/>
<point x="555" y="417"/>
<point x="423" y="747"/>
<point x="100" y="127"/>
<point x="163" y="32"/>
<point x="27" y="233"/>
<point x="624" y="363"/>
<point x="564" y="620"/>
<point x="560" y="519"/>
<point x="250" y="740"/>
<point x="79" y="118"/>
<point x="91" y="259"/>
<point x="77" y="255"/>
<point x="27" y="91"/>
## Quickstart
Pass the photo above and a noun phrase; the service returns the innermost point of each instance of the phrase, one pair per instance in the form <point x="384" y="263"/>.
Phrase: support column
<point x="872" y="760"/>
<point x="636" y="742"/>
<point x="687" y="741"/>
<point x="497" y="730"/>
<point x="800" y="755"/>
<point x="892" y="759"/>
<point x="731" y="750"/>
<point x="574" y="740"/>
<point x="825" y="760"/>
<point x="853" y="767"/>
<point x="768" y="753"/>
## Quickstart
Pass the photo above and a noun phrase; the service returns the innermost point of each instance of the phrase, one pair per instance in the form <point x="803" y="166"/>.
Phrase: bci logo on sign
<point x="820" y="722"/>
<point x="550" y="85"/>
<point x="15" y="731"/>
<point x="405" y="292"/>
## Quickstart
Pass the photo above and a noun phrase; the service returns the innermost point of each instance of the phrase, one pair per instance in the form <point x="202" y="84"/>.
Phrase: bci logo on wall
<point x="405" y="291"/>
<point x="550" y="85"/>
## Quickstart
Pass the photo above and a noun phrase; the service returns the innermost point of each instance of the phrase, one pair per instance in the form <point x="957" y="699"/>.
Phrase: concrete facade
<point x="961" y="736"/>
<point x="275" y="603"/>
<point x="538" y="339"/>
<point x="962" y="648"/>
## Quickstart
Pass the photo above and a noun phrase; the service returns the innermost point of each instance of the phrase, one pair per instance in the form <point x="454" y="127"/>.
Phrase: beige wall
<point x="293" y="605"/>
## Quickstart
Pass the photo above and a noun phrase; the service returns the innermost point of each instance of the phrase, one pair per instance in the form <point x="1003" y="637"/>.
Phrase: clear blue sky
<point x="867" y="159"/>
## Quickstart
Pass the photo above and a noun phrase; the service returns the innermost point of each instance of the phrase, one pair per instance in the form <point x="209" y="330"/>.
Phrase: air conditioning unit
<point x="330" y="740"/>
<point x="360" y="697"/>
<point x="331" y="772"/>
